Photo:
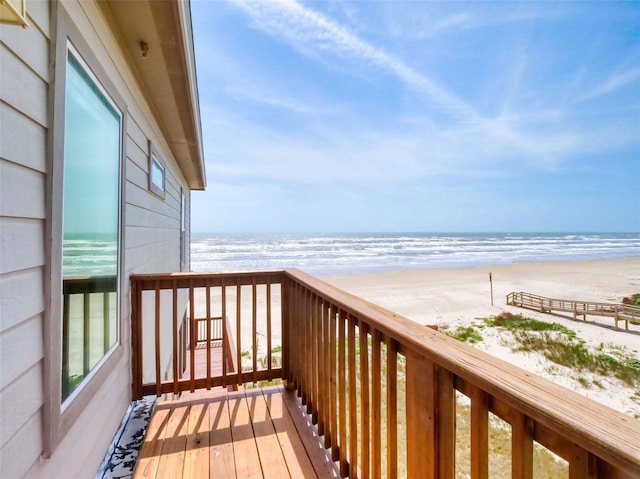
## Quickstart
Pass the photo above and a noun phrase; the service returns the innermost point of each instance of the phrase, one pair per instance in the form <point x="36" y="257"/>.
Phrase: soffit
<point x="167" y="73"/>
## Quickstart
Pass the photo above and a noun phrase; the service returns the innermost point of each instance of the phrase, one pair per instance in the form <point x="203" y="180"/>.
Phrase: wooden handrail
<point x="620" y="312"/>
<point x="595" y="440"/>
<point x="336" y="346"/>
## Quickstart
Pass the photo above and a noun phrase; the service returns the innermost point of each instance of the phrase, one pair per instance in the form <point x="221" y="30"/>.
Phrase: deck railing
<point x="382" y="389"/>
<point x="619" y="312"/>
<point x="190" y="299"/>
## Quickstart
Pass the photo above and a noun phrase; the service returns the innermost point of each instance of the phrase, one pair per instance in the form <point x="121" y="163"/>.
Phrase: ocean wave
<point x="351" y="253"/>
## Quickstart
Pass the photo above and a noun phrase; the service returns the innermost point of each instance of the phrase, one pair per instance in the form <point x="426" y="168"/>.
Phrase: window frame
<point x="59" y="416"/>
<point x="154" y="159"/>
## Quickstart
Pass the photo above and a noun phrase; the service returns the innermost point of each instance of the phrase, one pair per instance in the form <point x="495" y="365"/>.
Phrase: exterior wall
<point x="151" y="243"/>
<point x="24" y="78"/>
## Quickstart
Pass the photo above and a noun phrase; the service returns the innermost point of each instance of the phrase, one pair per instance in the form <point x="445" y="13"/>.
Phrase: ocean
<point x="338" y="254"/>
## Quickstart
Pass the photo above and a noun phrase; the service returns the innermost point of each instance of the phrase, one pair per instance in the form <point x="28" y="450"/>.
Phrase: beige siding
<point x="14" y="180"/>
<point x="20" y="401"/>
<point x="23" y="134"/>
<point x="23" y="449"/>
<point x="22" y="296"/>
<point x="151" y="241"/>
<point x="15" y="127"/>
<point x="24" y="90"/>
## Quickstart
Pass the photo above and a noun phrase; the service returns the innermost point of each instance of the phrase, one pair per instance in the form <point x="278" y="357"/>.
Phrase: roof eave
<point x="167" y="70"/>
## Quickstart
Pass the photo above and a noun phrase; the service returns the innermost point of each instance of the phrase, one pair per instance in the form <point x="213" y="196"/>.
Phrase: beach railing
<point x="619" y="312"/>
<point x="382" y="390"/>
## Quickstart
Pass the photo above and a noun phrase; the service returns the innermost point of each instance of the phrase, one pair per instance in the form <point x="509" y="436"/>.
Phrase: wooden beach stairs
<point x="619" y="312"/>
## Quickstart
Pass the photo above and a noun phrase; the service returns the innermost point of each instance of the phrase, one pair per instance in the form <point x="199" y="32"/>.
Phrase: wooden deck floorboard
<point x="262" y="433"/>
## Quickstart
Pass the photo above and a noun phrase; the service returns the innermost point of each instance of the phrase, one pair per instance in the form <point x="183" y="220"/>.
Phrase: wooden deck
<point x="361" y="371"/>
<point x="263" y="432"/>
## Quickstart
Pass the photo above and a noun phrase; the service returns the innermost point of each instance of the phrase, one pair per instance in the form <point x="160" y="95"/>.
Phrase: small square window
<point x="156" y="176"/>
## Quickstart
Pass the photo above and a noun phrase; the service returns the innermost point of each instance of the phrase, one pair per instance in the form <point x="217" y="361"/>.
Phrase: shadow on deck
<point x="263" y="432"/>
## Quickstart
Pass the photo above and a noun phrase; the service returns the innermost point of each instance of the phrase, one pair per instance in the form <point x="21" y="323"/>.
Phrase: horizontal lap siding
<point x="151" y="240"/>
<point x="152" y="223"/>
<point x="23" y="141"/>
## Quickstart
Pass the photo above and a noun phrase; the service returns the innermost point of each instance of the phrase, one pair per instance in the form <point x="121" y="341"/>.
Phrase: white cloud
<point x="613" y="83"/>
<point x="301" y="26"/>
<point x="298" y="24"/>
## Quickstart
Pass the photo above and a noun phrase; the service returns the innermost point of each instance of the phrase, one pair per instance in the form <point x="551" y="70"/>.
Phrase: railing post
<point x="582" y="464"/>
<point x="420" y="422"/>
<point x="522" y="446"/>
<point x="446" y="415"/>
<point x="136" y="340"/>
<point x="286" y="326"/>
<point x="479" y="434"/>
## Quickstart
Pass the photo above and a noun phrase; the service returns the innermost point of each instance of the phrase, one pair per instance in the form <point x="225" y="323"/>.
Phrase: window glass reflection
<point x="90" y="226"/>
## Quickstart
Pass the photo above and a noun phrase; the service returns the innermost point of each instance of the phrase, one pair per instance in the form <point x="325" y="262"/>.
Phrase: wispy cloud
<point x="292" y="21"/>
<point x="307" y="29"/>
<point x="613" y="83"/>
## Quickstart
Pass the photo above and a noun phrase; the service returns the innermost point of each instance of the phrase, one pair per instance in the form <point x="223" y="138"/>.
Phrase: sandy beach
<point x="453" y="297"/>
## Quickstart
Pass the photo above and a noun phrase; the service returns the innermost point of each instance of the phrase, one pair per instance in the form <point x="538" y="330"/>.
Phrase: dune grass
<point x="562" y="346"/>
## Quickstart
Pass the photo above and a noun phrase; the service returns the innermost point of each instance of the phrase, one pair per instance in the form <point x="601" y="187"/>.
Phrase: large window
<point x="90" y="243"/>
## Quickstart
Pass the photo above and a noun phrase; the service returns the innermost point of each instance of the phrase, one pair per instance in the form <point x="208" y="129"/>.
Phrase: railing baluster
<point x="136" y="340"/>
<point x="269" y="345"/>
<point x="364" y="398"/>
<point x="479" y="434"/>
<point x="308" y="383"/>
<point x="157" y="337"/>
<point x="521" y="445"/>
<point x="319" y="357"/>
<point x="326" y="352"/>
<point x="333" y="390"/>
<point x="238" y="329"/>
<point x="446" y="424"/>
<point x="392" y="408"/>
<point x="582" y="464"/>
<point x="419" y="420"/>
<point x="313" y="338"/>
<point x="254" y="328"/>
<point x="193" y="331"/>
<point x="288" y="330"/>
<point x="342" y="398"/>
<point x="174" y="328"/>
<point x="225" y="338"/>
<point x="301" y="320"/>
<point x="376" y="405"/>
<point x="352" y="390"/>
<point x="208" y="312"/>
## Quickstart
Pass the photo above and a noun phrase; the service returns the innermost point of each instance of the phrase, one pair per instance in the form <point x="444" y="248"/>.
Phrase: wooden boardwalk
<point x="619" y="312"/>
<point x="263" y="432"/>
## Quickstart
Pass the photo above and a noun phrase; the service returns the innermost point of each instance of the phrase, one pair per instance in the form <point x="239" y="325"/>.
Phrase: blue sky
<point x="384" y="116"/>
